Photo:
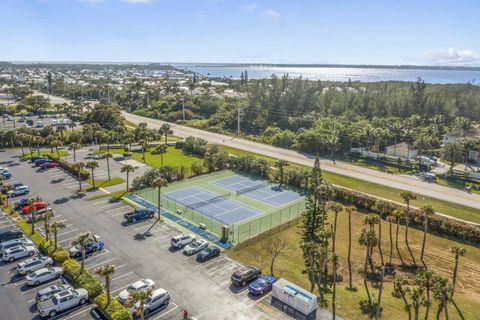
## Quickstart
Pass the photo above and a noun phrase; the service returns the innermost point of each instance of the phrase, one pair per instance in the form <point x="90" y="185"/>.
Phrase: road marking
<point x="103" y="262"/>
<point x="207" y="263"/>
<point x="103" y="201"/>
<point x="122" y="207"/>
<point x="215" y="271"/>
<point x="108" y="205"/>
<point x="40" y="287"/>
<point x="190" y="257"/>
<point x="118" y="214"/>
<point x="122" y="276"/>
<point x="68" y="239"/>
<point x="167" y="312"/>
<point x="80" y="312"/>
<point x="66" y="232"/>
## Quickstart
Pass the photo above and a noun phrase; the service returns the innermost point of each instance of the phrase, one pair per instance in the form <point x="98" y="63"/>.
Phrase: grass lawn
<point x="27" y="228"/>
<point x="173" y="157"/>
<point x="445" y="207"/>
<point x="437" y="256"/>
<point x="379" y="165"/>
<point x="61" y="153"/>
<point x="102" y="183"/>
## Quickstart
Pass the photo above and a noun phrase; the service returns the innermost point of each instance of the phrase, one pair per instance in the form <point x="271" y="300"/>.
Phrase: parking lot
<point x="203" y="289"/>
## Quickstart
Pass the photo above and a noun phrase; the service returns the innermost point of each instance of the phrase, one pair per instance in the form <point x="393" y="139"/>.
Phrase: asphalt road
<point x="201" y="288"/>
<point x="402" y="182"/>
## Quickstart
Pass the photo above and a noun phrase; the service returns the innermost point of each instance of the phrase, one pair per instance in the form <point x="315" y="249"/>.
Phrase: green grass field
<point x="102" y="183"/>
<point x="437" y="256"/>
<point x="447" y="208"/>
<point x="45" y="153"/>
<point x="271" y="216"/>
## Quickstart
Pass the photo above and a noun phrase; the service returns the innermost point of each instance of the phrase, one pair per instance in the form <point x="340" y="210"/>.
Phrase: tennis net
<point x="252" y="188"/>
<point x="204" y="203"/>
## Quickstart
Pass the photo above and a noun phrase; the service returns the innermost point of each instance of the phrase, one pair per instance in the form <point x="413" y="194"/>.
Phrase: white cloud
<point x="273" y="15"/>
<point x="91" y="2"/>
<point x="139" y="1"/>
<point x="452" y="56"/>
<point x="249" y="8"/>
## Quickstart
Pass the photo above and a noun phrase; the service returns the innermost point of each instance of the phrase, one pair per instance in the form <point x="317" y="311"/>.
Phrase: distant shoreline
<point x="220" y="64"/>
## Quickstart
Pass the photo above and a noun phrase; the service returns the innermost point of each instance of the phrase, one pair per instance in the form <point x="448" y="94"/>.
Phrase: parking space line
<point x="108" y="205"/>
<point x="207" y="263"/>
<point x="115" y="209"/>
<point x="67" y="232"/>
<point x="224" y="267"/>
<point x="166" y="312"/>
<point x="68" y="239"/>
<point x="103" y="201"/>
<point x="103" y="262"/>
<point x="118" y="214"/>
<point x="116" y="290"/>
<point x="190" y="257"/>
<point x="40" y="287"/>
<point x="122" y="276"/>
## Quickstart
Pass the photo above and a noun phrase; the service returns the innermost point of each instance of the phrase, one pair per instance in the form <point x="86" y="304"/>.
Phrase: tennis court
<point x="220" y="208"/>
<point x="262" y="191"/>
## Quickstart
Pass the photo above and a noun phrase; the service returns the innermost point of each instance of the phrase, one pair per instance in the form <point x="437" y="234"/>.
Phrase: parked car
<point x="43" y="275"/>
<point x="62" y="301"/>
<point x="18" y="252"/>
<point x="22" y="119"/>
<point x="54" y="122"/>
<point x="39" y="162"/>
<point x="181" y="240"/>
<point x="35" y="158"/>
<point x="8" y="234"/>
<point x="139" y="214"/>
<point x="261" y="285"/>
<point x="40" y="124"/>
<point x="6" y="174"/>
<point x="18" y="191"/>
<point x="195" y="246"/>
<point x="48" y="165"/>
<point x="36" y="206"/>
<point x="18" y="205"/>
<point x="93" y="245"/>
<point x="208" y="253"/>
<point x="160" y="298"/>
<point x="143" y="284"/>
<point x="14" y="243"/>
<point x="34" y="264"/>
<point x="245" y="274"/>
<point x="37" y="215"/>
<point x="49" y="291"/>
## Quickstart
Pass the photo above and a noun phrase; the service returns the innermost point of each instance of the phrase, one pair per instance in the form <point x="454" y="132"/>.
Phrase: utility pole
<point x="238" y="121"/>
<point x="183" y="107"/>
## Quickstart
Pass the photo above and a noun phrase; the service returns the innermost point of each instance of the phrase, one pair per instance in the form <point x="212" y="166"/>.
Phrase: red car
<point x="36" y="206"/>
<point x="48" y="165"/>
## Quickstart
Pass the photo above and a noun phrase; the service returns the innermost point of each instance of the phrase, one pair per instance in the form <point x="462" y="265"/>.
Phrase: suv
<point x="6" y="174"/>
<point x="245" y="274"/>
<point x="33" y="264"/>
<point x="18" y="252"/>
<point x="14" y="243"/>
<point x="7" y="234"/>
<point x="139" y="214"/>
<point x="181" y="240"/>
<point x="18" y="191"/>
<point x="159" y="298"/>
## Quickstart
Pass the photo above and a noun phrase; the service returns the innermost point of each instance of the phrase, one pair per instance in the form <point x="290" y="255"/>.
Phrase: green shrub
<point x="90" y="283"/>
<point x="71" y="267"/>
<point x="114" y="311"/>
<point x="60" y="256"/>
<point x="69" y="167"/>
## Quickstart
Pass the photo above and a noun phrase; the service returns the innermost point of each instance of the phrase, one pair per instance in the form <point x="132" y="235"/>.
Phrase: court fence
<point x="240" y="231"/>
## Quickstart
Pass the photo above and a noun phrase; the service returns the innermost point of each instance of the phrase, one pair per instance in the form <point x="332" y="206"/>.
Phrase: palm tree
<point x="397" y="213"/>
<point x="380" y="291"/>
<point x="398" y="284"/>
<point x="390" y="217"/>
<point x="79" y="166"/>
<point x="371" y="220"/>
<point x="37" y="140"/>
<point x="442" y="292"/>
<point x="61" y="129"/>
<point x="165" y="130"/>
<point x="92" y="165"/>
<point x="368" y="238"/>
<point x="382" y="208"/>
<point x="425" y="280"/>
<point x="427" y="211"/>
<point x="452" y="153"/>
<point x="107" y="156"/>
<point x="349" y="210"/>
<point x="457" y="251"/>
<point x="81" y="241"/>
<point x="46" y="220"/>
<point x="57" y="225"/>
<point x="407" y="197"/>
<point x="158" y="183"/>
<point x="280" y="164"/>
<point x="161" y="149"/>
<point x="127" y="168"/>
<point x="137" y="300"/>
<point x="334" y="293"/>
<point x="75" y="146"/>
<point x="463" y="124"/>
<point x="417" y="296"/>
<point x="106" y="271"/>
<point x="31" y="210"/>
<point x="55" y="144"/>
<point x="336" y="208"/>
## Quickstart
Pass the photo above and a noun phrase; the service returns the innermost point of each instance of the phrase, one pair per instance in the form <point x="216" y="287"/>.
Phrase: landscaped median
<point x="71" y="268"/>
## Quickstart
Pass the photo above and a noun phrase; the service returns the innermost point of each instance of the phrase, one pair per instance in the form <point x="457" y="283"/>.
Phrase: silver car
<point x="13" y="243"/>
<point x="159" y="299"/>
<point x="195" y="246"/>
<point x="143" y="284"/>
<point x="43" y="275"/>
<point x="33" y="264"/>
<point x="49" y="291"/>
<point x="19" y="252"/>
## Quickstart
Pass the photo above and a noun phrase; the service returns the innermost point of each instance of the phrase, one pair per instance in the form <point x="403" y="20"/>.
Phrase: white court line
<point x="167" y="312"/>
<point x="103" y="262"/>
<point x="122" y="276"/>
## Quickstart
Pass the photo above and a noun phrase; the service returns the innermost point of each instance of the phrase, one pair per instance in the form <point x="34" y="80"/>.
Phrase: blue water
<point x="337" y="73"/>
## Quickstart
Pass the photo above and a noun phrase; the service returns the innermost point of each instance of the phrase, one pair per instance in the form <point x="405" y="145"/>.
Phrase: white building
<point x="402" y="150"/>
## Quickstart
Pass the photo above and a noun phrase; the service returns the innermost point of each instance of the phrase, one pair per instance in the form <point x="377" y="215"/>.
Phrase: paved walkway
<point x="395" y="181"/>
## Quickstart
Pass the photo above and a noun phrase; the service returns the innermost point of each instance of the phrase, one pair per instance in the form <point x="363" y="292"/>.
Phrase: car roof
<point x="158" y="292"/>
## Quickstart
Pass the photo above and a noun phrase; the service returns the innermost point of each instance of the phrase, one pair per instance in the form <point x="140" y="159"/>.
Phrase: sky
<point x="386" y="32"/>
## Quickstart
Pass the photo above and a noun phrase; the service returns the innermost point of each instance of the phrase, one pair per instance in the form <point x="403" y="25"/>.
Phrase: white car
<point x="62" y="301"/>
<point x="195" y="246"/>
<point x="49" y="291"/>
<point x="181" y="240"/>
<point x="43" y="275"/>
<point x="18" y="191"/>
<point x="33" y="264"/>
<point x="14" y="243"/>
<point x="160" y="298"/>
<point x="54" y="122"/>
<point x="143" y="284"/>
<point x="19" y="252"/>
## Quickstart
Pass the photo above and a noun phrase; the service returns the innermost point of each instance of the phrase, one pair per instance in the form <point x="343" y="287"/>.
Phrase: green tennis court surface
<point x="229" y="204"/>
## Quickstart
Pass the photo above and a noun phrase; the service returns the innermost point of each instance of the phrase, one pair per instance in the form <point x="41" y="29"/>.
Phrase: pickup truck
<point x="62" y="301"/>
<point x="138" y="215"/>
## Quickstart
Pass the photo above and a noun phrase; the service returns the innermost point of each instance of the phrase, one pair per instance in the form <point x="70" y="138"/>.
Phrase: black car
<point x="39" y="162"/>
<point x="20" y="204"/>
<point x="208" y="253"/>
<point x="245" y="274"/>
<point x="6" y="234"/>
<point x="139" y="214"/>
<point x="35" y="158"/>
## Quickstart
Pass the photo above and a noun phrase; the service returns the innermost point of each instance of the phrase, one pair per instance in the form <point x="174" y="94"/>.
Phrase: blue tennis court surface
<point x="221" y="209"/>
<point x="268" y="193"/>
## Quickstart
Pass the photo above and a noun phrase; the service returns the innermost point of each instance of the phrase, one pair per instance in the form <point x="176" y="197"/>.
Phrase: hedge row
<point x="452" y="228"/>
<point x="69" y="167"/>
<point x="114" y="311"/>
<point x="85" y="280"/>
